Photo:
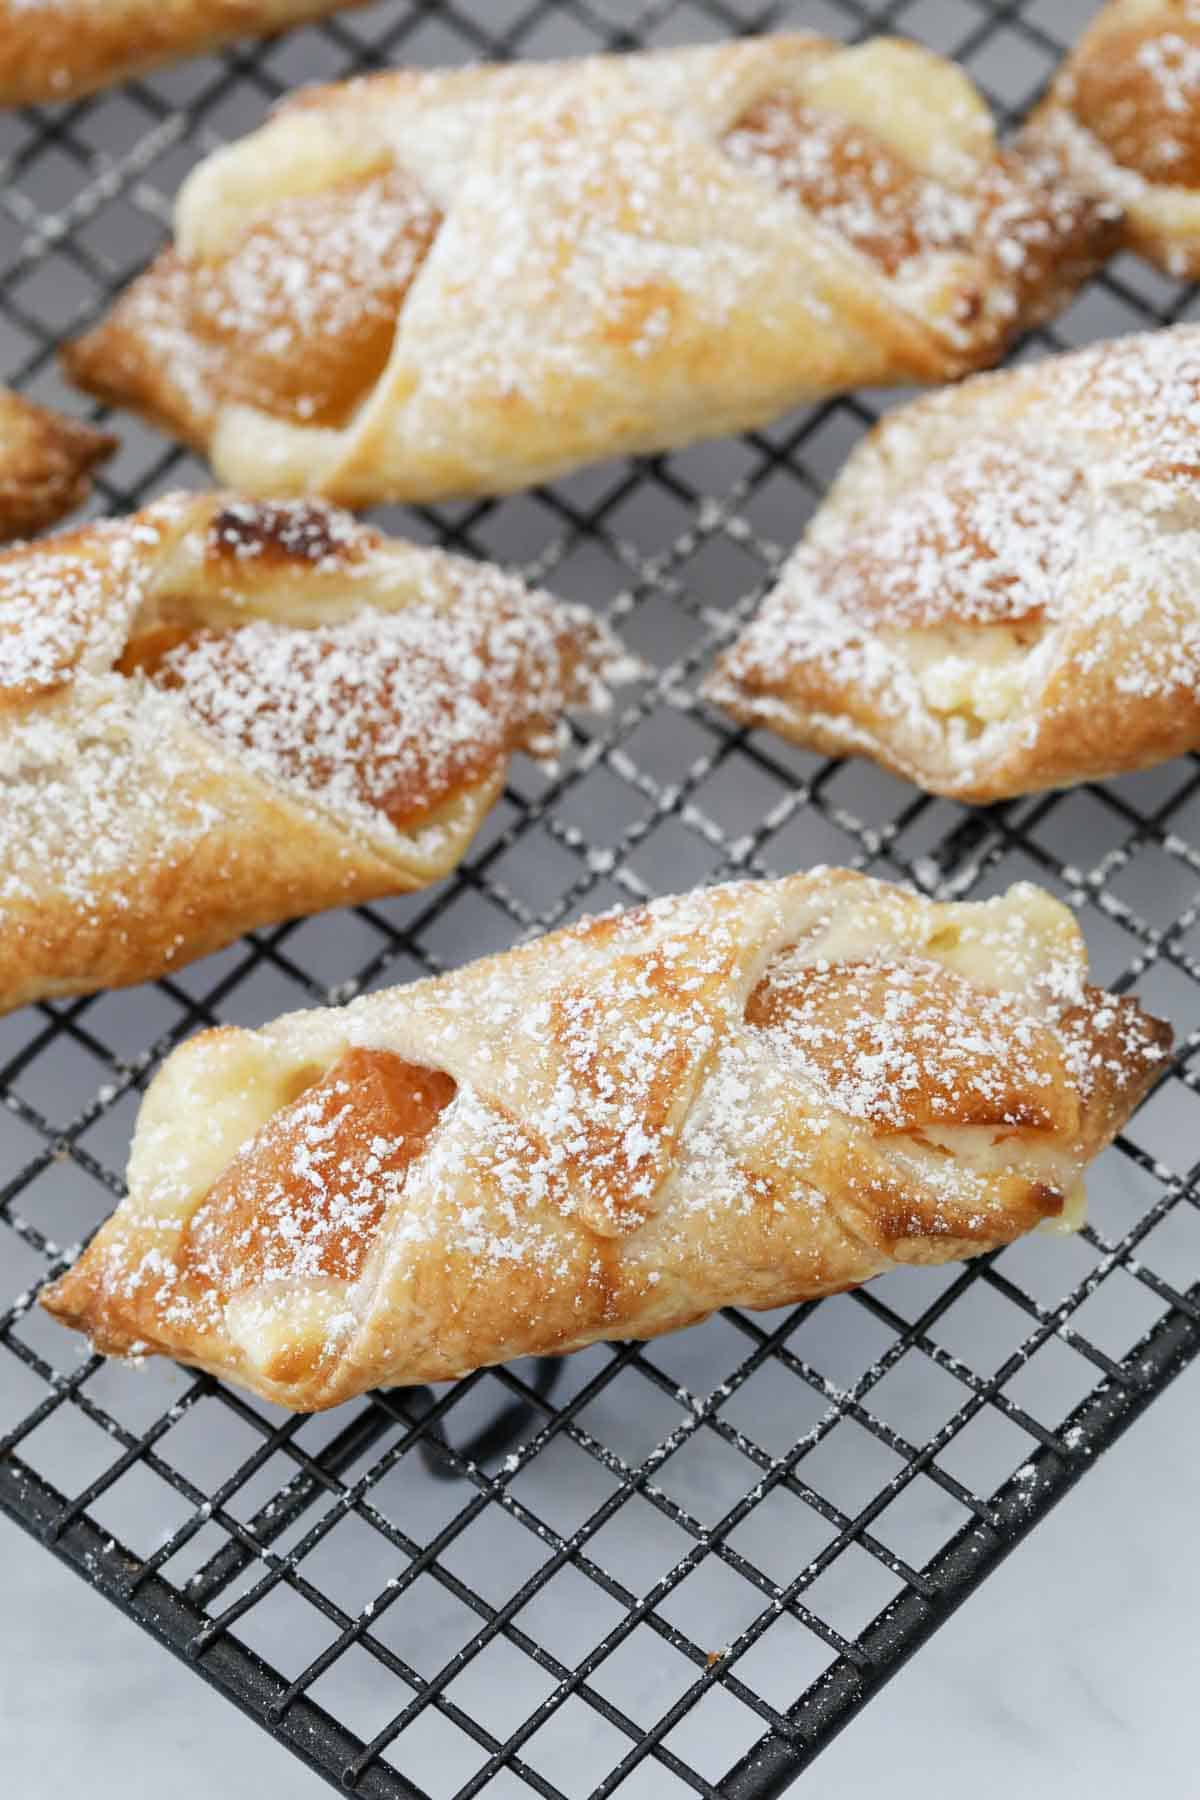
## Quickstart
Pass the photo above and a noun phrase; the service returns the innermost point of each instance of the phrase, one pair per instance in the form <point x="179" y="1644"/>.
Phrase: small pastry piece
<point x="59" y="49"/>
<point x="217" y="714"/>
<point x="750" y="1096"/>
<point x="999" y="594"/>
<point x="420" y="285"/>
<point x="1123" y="116"/>
<point x="46" y="460"/>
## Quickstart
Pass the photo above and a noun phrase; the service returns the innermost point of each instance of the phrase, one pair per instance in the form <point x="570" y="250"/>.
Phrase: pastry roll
<point x="749" y="1096"/>
<point x="59" y="49"/>
<point x="217" y="714"/>
<point x="999" y="594"/>
<point x="1123" y="117"/>
<point x="413" y="285"/>
<point x="46" y="461"/>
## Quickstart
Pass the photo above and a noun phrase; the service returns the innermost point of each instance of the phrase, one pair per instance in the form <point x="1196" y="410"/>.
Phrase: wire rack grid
<point x="666" y="1569"/>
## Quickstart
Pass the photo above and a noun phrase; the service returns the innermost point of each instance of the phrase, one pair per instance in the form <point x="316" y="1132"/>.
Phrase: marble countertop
<point x="1071" y="1672"/>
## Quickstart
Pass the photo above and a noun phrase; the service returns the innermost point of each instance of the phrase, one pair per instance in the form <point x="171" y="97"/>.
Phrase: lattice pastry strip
<point x="220" y="713"/>
<point x="999" y="594"/>
<point x="753" y="1095"/>
<point x="418" y="285"/>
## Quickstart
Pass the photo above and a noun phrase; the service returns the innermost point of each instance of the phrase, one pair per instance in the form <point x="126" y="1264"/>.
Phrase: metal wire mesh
<point x="684" y="1568"/>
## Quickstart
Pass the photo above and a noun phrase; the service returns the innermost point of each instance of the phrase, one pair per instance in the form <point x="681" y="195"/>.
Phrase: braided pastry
<point x="1123" y="117"/>
<point x="421" y="285"/>
<point x="999" y="594"/>
<point x="753" y="1095"/>
<point x="218" y="714"/>
<point x="59" y="49"/>
<point x="46" y="461"/>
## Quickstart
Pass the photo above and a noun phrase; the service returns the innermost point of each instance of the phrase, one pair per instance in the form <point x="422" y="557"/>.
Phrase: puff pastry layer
<point x="1123" y="115"/>
<point x="420" y="285"/>
<point x="999" y="594"/>
<point x="752" y="1096"/>
<point x="46" y="461"/>
<point x="216" y="714"/>
<point x="59" y="49"/>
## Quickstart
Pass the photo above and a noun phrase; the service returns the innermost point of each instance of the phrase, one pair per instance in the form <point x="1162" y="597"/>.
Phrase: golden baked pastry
<point x="749" y="1096"/>
<point x="1123" y="115"/>
<point x="420" y="285"/>
<point x="999" y="594"/>
<point x="46" y="461"/>
<point x="217" y="713"/>
<point x="59" y="49"/>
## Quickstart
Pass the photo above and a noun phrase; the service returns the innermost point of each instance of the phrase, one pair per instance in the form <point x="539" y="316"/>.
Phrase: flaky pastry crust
<point x="53" y="50"/>
<point x="46" y="460"/>
<point x="216" y="714"/>
<point x="420" y="285"/>
<point x="1123" y="116"/>
<point x="998" y="595"/>
<point x="754" y="1095"/>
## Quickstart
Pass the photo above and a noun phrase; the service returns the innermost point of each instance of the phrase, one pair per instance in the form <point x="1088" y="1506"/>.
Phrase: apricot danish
<point x="419" y="285"/>
<point x="998" y="595"/>
<point x="219" y="713"/>
<point x="749" y="1096"/>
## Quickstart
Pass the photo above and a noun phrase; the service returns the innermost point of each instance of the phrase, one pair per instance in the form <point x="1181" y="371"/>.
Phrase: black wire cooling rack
<point x="670" y="1568"/>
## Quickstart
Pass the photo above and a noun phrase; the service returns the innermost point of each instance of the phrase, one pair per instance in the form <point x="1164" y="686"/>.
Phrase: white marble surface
<point x="1072" y="1672"/>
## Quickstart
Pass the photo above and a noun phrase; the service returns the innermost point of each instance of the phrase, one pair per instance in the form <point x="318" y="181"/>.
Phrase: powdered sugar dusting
<point x="384" y="716"/>
<point x="431" y="672"/>
<point x="92" y="789"/>
<point x="964" y="588"/>
<point x="903" y="1043"/>
<point x="64" y="604"/>
<point x="1136" y="91"/>
<point x="1174" y="63"/>
<point x="303" y="309"/>
<point x="851" y="181"/>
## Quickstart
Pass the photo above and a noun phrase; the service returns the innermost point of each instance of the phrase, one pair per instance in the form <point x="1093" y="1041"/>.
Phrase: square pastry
<point x="999" y="594"/>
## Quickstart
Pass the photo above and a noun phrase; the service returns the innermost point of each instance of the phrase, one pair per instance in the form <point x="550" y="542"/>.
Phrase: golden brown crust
<point x="1123" y="114"/>
<point x="744" y="1096"/>
<point x="53" y="50"/>
<point x="998" y="594"/>
<point x="584" y="259"/>
<point x="46" y="460"/>
<point x="217" y="714"/>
